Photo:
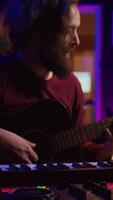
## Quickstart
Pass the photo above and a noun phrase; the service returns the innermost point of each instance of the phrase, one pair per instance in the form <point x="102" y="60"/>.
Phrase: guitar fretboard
<point x="77" y="136"/>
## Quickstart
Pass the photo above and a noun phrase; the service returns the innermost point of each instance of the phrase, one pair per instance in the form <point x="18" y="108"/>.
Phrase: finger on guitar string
<point x="32" y="154"/>
<point x="109" y="134"/>
<point x="26" y="159"/>
<point x="33" y="145"/>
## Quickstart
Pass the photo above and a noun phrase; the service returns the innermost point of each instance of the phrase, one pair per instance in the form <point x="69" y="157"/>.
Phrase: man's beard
<point x="53" y="58"/>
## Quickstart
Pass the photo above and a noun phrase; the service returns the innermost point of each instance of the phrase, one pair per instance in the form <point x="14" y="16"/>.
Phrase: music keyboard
<point x="55" y="173"/>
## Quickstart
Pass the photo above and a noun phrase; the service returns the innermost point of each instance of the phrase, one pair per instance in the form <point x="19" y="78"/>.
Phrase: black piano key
<point x="110" y="162"/>
<point x="41" y="167"/>
<point x="103" y="164"/>
<point x="51" y="166"/>
<point x="77" y="165"/>
<point x="24" y="167"/>
<point x="88" y="165"/>
<point x="62" y="166"/>
<point x="13" y="167"/>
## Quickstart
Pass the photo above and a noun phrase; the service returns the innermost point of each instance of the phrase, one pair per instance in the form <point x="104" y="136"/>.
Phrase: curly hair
<point x="21" y="15"/>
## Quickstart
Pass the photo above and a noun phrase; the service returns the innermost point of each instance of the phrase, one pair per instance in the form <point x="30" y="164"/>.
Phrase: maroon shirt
<point x="18" y="86"/>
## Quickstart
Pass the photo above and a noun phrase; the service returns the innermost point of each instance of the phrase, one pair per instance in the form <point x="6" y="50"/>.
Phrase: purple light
<point x="97" y="10"/>
<point x="112" y="29"/>
<point x="89" y="9"/>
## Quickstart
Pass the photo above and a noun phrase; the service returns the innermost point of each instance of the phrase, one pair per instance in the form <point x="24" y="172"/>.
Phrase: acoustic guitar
<point x="49" y="125"/>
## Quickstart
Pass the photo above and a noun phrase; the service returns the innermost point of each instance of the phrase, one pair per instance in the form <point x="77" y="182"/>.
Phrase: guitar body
<point x="37" y="123"/>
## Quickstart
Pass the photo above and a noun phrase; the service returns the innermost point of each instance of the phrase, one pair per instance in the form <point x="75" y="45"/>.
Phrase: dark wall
<point x="96" y="1"/>
<point x="107" y="54"/>
<point x="107" y="64"/>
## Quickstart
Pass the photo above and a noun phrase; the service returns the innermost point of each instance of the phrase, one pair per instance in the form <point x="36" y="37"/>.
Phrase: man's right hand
<point x="21" y="147"/>
<point x="106" y="151"/>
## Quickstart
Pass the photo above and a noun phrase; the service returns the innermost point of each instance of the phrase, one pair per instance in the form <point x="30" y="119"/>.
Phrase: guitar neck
<point x="71" y="138"/>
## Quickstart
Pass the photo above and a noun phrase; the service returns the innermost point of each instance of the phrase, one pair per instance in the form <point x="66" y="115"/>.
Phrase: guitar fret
<point x="94" y="132"/>
<point x="63" y="144"/>
<point x="68" y="139"/>
<point x="81" y="134"/>
<point x="78" y="134"/>
<point x="104" y="125"/>
<point x="56" y="137"/>
<point x="89" y="131"/>
<point x="62" y="138"/>
<point x="55" y="147"/>
<point x="74" y="137"/>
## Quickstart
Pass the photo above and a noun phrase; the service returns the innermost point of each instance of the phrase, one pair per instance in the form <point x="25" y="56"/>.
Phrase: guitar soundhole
<point x="43" y="145"/>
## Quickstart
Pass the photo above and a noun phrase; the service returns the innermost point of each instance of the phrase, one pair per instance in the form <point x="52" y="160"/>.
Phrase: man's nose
<point x="76" y="38"/>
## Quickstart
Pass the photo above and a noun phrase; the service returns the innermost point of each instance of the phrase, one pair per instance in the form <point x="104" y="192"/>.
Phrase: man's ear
<point x="5" y="41"/>
<point x="1" y="23"/>
<point x="4" y="29"/>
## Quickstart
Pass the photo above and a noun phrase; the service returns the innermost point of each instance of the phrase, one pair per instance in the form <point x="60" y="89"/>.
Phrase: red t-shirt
<point x="18" y="86"/>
